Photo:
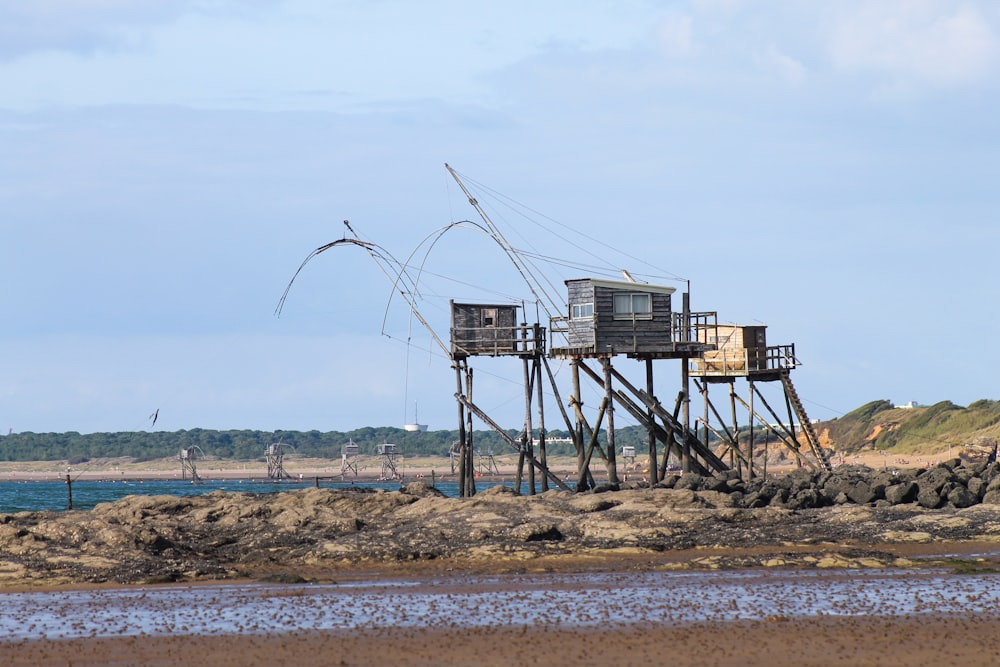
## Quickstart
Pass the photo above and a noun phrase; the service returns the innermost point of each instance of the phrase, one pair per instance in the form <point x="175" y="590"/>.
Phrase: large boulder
<point x="856" y="483"/>
<point x="928" y="497"/>
<point x="689" y="480"/>
<point x="898" y="494"/>
<point x="961" y="497"/>
<point x="935" y="478"/>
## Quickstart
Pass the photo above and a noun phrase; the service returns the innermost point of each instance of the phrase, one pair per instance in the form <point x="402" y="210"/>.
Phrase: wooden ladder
<point x="806" y="425"/>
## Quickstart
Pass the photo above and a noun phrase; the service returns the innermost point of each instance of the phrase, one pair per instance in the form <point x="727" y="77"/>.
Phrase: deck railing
<point x="498" y="341"/>
<point x="747" y="361"/>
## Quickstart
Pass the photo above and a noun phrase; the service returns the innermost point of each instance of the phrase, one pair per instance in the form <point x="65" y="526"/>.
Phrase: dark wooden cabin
<point x="608" y="317"/>
<point x="491" y="330"/>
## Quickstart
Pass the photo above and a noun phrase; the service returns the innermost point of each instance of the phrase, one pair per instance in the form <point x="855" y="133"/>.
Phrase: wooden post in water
<point x="69" y="492"/>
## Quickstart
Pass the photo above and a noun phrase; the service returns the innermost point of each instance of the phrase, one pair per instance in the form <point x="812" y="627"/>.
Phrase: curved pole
<point x="380" y="255"/>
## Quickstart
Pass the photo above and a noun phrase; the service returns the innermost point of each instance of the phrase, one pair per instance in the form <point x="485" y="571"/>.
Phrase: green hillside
<point x="246" y="445"/>
<point x="874" y="426"/>
<point x="918" y="430"/>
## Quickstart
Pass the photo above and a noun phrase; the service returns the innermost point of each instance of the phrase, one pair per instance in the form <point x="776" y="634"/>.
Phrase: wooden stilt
<point x="750" y="443"/>
<point x="542" y="454"/>
<point x="612" y="462"/>
<point x="526" y="437"/>
<point x="470" y="463"/>
<point x="576" y="402"/>
<point x="746" y="473"/>
<point x="462" y="442"/>
<point x="654" y="476"/>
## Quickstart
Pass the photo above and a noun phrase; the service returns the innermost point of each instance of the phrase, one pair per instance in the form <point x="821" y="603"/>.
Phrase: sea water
<point x="54" y="495"/>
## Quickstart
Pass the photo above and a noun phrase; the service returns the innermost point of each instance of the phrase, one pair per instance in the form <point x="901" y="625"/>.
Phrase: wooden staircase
<point x="804" y="423"/>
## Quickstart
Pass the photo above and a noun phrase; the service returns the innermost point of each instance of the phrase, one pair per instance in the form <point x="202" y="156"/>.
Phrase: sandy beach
<point x="368" y="468"/>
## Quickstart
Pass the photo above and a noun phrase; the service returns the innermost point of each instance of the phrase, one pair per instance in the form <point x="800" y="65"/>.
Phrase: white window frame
<point x="582" y="311"/>
<point x="633" y="308"/>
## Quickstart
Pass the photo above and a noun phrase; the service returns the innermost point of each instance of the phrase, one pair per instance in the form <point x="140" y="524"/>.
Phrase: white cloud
<point x="676" y="36"/>
<point x="921" y="42"/>
<point x="718" y="6"/>
<point x="774" y="60"/>
<point x="91" y="26"/>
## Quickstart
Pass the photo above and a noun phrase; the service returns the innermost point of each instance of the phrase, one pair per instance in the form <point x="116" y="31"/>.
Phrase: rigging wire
<point x="526" y="262"/>
<point x="533" y="283"/>
<point x="518" y="207"/>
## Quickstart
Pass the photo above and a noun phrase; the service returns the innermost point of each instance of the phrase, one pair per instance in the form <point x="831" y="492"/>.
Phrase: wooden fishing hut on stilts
<point x="607" y="319"/>
<point x="742" y="351"/>
<point x="601" y="320"/>
<point x="493" y="330"/>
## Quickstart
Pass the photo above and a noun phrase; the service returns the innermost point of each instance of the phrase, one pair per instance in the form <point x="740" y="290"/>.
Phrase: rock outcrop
<point x="952" y="483"/>
<point x="850" y="517"/>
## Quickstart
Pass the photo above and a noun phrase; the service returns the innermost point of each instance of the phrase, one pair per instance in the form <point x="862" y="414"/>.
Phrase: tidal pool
<point x="570" y="600"/>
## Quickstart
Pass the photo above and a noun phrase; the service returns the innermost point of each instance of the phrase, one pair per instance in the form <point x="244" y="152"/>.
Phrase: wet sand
<point x="821" y="642"/>
<point x="959" y="626"/>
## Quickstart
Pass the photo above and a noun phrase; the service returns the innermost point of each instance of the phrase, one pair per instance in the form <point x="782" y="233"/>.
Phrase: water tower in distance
<point x="415" y="426"/>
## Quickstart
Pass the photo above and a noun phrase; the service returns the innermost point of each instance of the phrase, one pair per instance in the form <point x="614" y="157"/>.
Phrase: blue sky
<point x="828" y="169"/>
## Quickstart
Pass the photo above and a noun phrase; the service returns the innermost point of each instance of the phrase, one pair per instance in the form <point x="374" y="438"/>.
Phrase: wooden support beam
<point x="609" y="405"/>
<point x="593" y="444"/>
<point x="797" y="449"/>
<point x="528" y="437"/>
<point x="654" y="469"/>
<point x="661" y="433"/>
<point x="462" y="435"/>
<point x="536" y="369"/>
<point x="510" y="441"/>
<point x="791" y="446"/>
<point x="709" y="458"/>
<point x="591" y="433"/>
<point x="731" y="441"/>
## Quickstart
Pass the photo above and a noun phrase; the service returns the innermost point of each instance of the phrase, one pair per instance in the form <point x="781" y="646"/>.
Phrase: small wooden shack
<point x="742" y="351"/>
<point x="491" y="330"/>
<point x="608" y="317"/>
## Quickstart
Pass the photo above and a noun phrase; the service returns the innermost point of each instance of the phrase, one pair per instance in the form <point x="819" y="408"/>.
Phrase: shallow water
<point x="553" y="599"/>
<point x="52" y="495"/>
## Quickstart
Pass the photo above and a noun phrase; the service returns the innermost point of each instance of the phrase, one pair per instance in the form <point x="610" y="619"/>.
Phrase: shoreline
<point x="305" y="471"/>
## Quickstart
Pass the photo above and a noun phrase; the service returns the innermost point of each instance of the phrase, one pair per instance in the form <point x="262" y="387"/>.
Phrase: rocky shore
<point x="852" y="517"/>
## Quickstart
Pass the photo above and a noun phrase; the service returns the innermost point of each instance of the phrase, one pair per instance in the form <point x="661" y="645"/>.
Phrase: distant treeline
<point x="251" y="445"/>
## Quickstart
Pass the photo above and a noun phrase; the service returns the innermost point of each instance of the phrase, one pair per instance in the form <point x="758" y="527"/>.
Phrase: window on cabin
<point x="638" y="306"/>
<point x="583" y="311"/>
<point x="489" y="317"/>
